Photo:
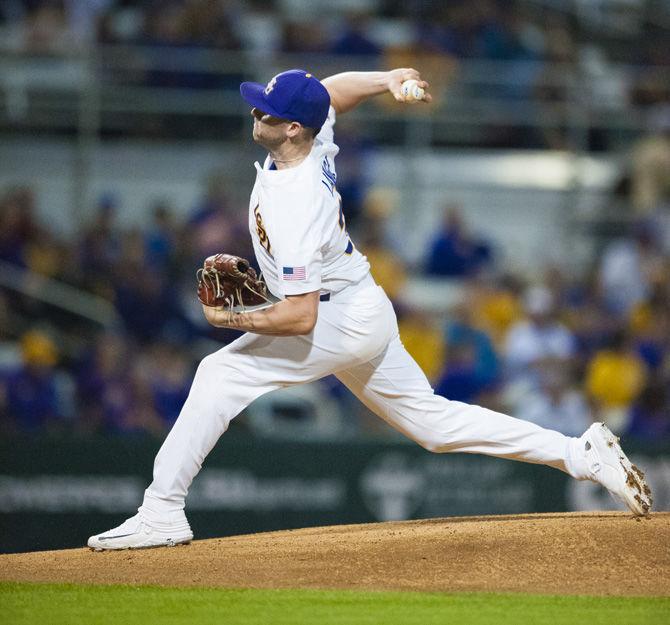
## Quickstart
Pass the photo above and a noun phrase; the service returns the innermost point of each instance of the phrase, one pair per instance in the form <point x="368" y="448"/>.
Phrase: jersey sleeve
<point x="297" y="250"/>
<point x="326" y="136"/>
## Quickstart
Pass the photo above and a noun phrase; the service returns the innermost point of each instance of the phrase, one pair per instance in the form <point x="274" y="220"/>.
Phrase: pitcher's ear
<point x="294" y="129"/>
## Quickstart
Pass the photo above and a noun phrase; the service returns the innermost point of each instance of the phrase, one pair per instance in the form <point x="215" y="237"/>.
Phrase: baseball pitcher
<point x="319" y="312"/>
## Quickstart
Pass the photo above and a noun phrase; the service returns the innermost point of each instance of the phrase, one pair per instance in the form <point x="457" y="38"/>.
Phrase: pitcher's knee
<point x="206" y="364"/>
<point x="212" y="367"/>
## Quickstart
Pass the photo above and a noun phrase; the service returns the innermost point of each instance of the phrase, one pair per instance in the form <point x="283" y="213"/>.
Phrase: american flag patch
<point x="294" y="273"/>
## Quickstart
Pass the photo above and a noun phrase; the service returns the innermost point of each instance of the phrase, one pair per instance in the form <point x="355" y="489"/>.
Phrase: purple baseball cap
<point x="294" y="95"/>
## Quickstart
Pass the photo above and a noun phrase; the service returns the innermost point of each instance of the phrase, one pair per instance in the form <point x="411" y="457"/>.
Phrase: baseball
<point x="410" y="91"/>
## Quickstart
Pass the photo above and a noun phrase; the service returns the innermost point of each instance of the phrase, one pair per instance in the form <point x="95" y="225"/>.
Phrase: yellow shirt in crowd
<point x="615" y="379"/>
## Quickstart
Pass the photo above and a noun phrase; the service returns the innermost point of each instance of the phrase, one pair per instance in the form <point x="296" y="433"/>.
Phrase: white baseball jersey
<point x="297" y="225"/>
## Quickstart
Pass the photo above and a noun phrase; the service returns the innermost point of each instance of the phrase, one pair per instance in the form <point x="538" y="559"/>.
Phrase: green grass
<point x="52" y="604"/>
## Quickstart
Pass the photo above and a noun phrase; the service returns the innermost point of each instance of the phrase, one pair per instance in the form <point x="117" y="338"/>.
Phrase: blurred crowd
<point x="554" y="348"/>
<point x="493" y="29"/>
<point x="135" y="374"/>
<point x="541" y="43"/>
<point x="557" y="349"/>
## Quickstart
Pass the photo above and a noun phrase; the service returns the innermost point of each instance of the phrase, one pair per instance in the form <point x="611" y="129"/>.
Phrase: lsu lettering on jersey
<point x="297" y="224"/>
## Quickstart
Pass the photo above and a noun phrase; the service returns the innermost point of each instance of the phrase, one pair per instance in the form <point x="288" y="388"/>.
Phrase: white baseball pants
<point x="355" y="338"/>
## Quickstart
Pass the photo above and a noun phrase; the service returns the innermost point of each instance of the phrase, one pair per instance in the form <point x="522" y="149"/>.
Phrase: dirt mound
<point x="594" y="553"/>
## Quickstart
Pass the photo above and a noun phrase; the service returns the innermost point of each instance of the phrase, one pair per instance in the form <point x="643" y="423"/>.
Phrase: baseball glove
<point x="230" y="282"/>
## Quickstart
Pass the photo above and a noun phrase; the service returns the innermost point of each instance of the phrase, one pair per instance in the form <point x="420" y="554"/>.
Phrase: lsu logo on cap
<point x="271" y="85"/>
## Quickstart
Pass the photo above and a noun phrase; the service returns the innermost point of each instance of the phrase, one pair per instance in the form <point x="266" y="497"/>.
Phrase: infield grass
<point x="53" y="604"/>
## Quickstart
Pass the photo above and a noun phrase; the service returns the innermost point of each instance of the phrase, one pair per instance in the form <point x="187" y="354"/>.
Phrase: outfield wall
<point x="55" y="492"/>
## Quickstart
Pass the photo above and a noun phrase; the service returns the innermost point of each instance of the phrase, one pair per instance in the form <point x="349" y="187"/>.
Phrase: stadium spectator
<point x="495" y="304"/>
<point x="650" y="414"/>
<point x="472" y="365"/>
<point x="509" y="34"/>
<point x="160" y="238"/>
<point x="99" y="247"/>
<point x="17" y="224"/>
<point x="450" y="28"/>
<point x="143" y="297"/>
<point x="304" y="36"/>
<point x="209" y="24"/>
<point x="170" y="379"/>
<point x="423" y="339"/>
<point x="386" y="265"/>
<point x="615" y="377"/>
<point x="454" y="253"/>
<point x="116" y="388"/>
<point x="101" y="382"/>
<point x="37" y="395"/>
<point x="353" y="40"/>
<point x="649" y="326"/>
<point x="628" y="268"/>
<point x="140" y="415"/>
<point x="537" y="340"/>
<point x="556" y="404"/>
<point x="586" y="314"/>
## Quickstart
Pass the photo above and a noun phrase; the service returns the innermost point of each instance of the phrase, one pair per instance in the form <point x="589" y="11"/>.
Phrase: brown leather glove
<point x="228" y="281"/>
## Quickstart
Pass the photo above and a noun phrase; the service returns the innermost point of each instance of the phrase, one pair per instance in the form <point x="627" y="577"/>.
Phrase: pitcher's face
<point x="269" y="131"/>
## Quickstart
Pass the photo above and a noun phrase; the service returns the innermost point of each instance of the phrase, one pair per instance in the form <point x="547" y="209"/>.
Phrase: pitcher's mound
<point x="579" y="553"/>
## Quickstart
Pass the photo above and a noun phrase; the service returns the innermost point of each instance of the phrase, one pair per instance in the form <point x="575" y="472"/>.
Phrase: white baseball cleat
<point x="608" y="465"/>
<point x="138" y="533"/>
